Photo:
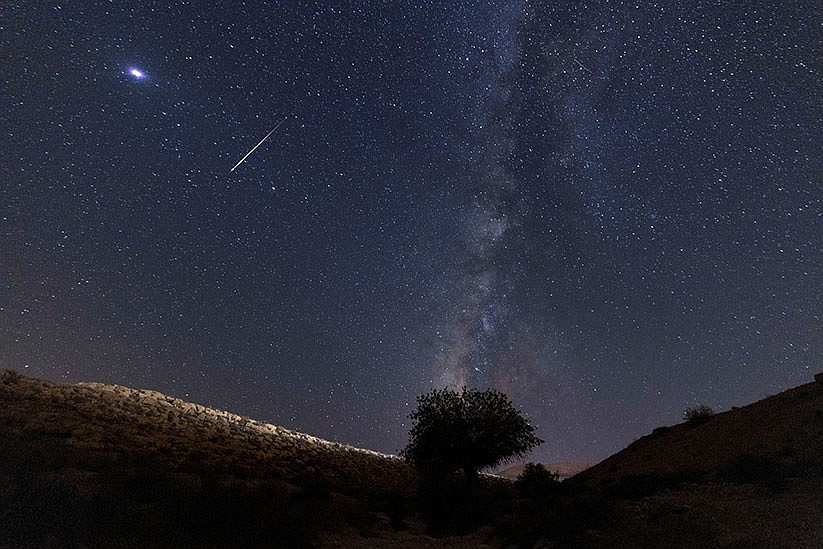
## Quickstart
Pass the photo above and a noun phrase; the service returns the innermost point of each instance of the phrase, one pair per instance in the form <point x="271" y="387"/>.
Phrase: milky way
<point x="610" y="211"/>
<point x="474" y="334"/>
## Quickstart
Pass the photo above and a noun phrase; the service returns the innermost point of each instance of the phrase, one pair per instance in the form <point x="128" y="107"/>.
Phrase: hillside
<point x="96" y="465"/>
<point x="121" y="424"/>
<point x="109" y="466"/>
<point x="749" y="477"/>
<point x="785" y="429"/>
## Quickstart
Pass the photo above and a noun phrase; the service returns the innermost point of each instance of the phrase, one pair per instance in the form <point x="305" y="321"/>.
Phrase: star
<point x="136" y="73"/>
<point x="528" y="200"/>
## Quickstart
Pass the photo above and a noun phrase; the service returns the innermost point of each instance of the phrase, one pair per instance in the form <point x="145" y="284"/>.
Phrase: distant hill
<point x="563" y="469"/>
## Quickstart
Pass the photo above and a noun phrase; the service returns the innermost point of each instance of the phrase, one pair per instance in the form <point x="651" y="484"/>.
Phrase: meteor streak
<point x="255" y="147"/>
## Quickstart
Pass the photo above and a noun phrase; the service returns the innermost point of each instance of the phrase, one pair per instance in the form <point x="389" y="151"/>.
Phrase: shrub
<point x="537" y="481"/>
<point x="698" y="415"/>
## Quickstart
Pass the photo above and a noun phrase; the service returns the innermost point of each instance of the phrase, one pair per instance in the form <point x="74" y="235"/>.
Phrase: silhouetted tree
<point x="467" y="430"/>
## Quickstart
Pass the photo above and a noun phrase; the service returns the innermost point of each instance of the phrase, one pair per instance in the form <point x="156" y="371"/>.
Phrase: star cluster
<point x="611" y="211"/>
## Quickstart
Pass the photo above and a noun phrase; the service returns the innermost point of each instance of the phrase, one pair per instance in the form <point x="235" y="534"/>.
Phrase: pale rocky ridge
<point x="177" y="430"/>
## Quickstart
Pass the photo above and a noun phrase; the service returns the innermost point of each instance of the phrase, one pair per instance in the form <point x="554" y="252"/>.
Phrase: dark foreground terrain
<point x="91" y="465"/>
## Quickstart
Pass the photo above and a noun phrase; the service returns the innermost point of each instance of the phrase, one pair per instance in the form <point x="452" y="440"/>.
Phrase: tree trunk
<point x="471" y="477"/>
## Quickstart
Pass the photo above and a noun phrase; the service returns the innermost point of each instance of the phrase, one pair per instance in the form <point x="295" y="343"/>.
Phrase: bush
<point x="698" y="415"/>
<point x="536" y="481"/>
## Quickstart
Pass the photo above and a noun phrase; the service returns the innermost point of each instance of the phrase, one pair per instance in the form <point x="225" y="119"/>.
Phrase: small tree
<point x="467" y="430"/>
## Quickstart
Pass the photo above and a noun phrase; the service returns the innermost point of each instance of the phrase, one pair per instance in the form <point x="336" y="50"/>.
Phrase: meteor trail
<point x="582" y="66"/>
<point x="255" y="147"/>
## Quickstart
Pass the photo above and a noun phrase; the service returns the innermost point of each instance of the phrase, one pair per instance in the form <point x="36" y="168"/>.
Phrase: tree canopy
<point x="469" y="430"/>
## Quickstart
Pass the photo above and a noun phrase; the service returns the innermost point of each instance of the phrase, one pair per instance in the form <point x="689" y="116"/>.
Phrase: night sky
<point x="611" y="211"/>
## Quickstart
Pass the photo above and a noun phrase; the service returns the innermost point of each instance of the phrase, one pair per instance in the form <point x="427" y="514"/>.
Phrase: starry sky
<point x="609" y="210"/>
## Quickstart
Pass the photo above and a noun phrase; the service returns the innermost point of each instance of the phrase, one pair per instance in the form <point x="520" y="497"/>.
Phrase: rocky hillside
<point x="749" y="477"/>
<point x="99" y="465"/>
<point x="121" y="424"/>
<point x="785" y="430"/>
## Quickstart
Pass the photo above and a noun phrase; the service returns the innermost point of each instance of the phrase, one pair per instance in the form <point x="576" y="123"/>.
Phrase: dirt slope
<point x="785" y="429"/>
<point x="751" y="477"/>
